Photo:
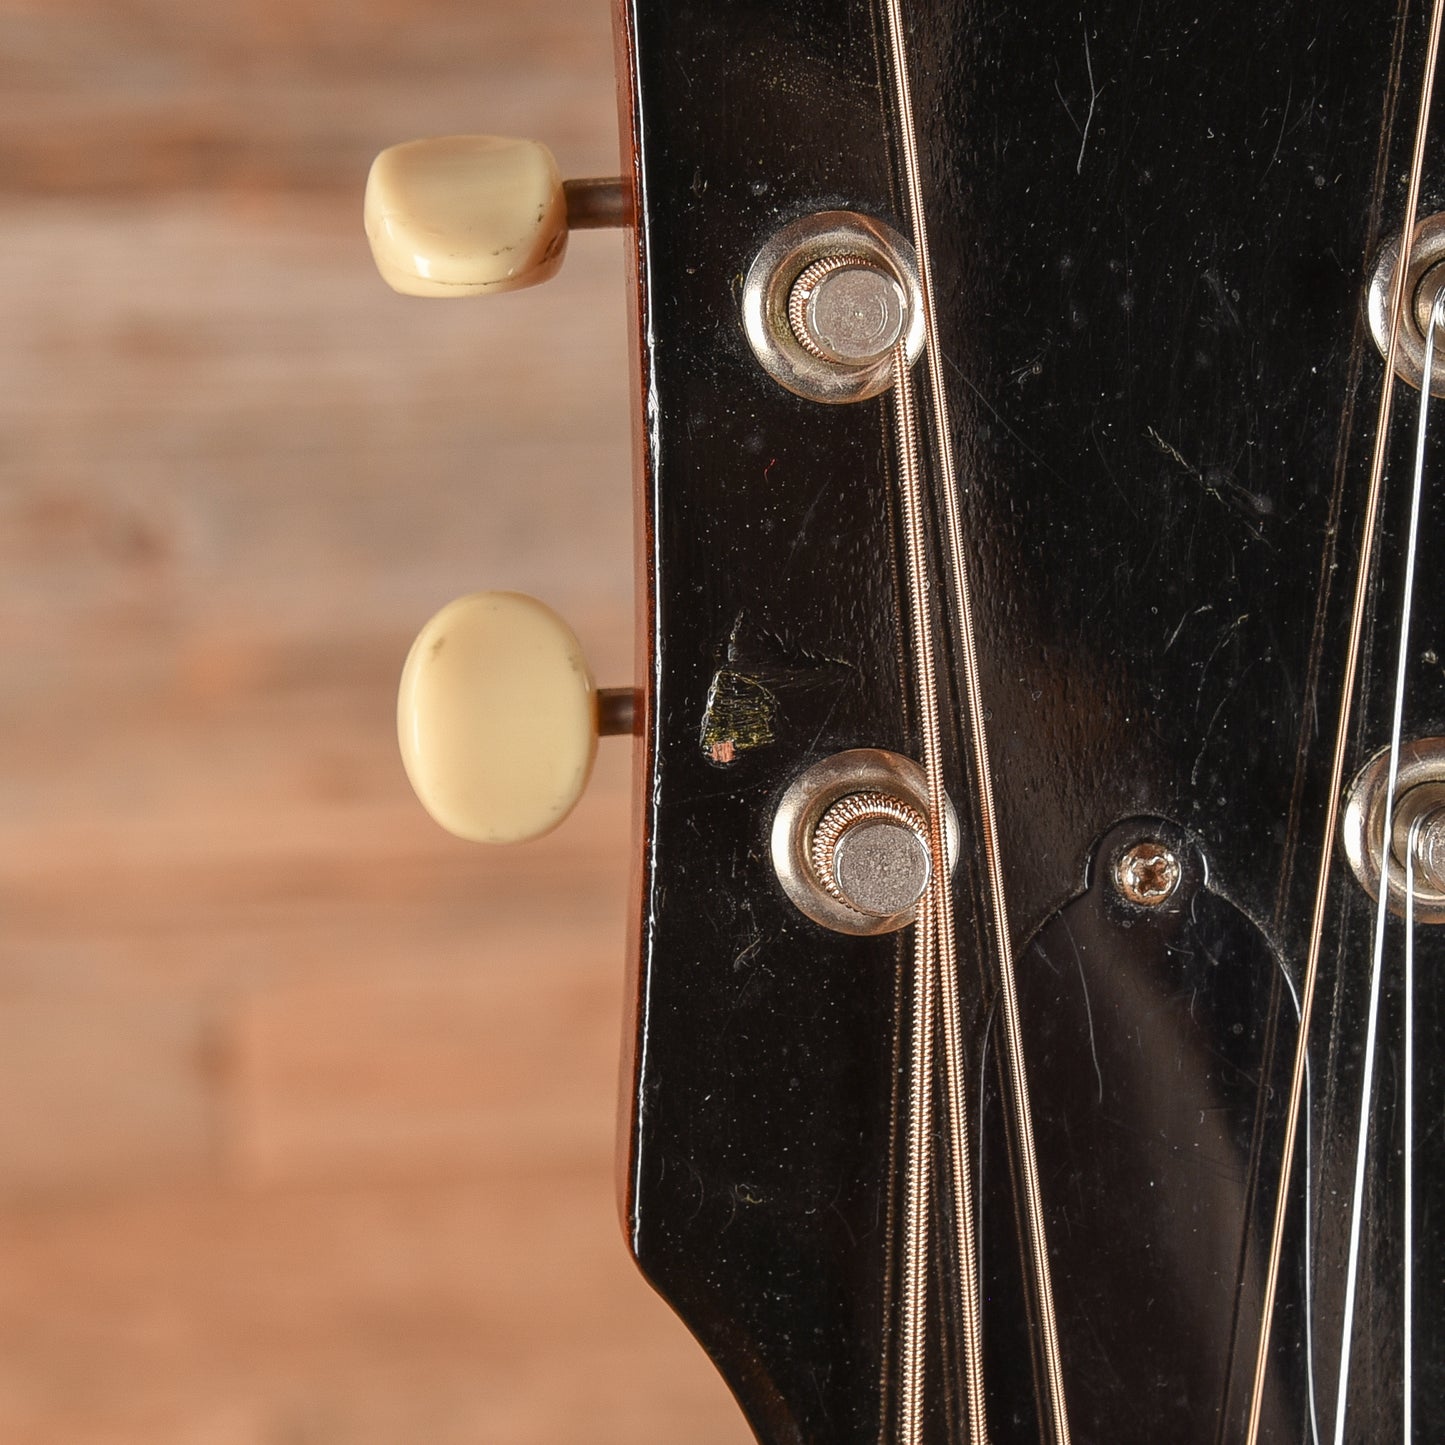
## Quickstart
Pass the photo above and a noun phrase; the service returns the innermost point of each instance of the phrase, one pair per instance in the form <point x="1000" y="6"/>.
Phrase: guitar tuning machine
<point x="498" y="717"/>
<point x="826" y="300"/>
<point x="849" y="841"/>
<point x="469" y="215"/>
<point x="1417" y="827"/>
<point x="497" y="714"/>
<point x="1423" y="283"/>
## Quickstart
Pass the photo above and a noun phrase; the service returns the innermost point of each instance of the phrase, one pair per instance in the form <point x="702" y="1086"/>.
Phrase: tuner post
<point x="850" y="841"/>
<point x="825" y="302"/>
<point x="845" y="310"/>
<point x="1420" y="832"/>
<point x="870" y="851"/>
<point x="1417" y="828"/>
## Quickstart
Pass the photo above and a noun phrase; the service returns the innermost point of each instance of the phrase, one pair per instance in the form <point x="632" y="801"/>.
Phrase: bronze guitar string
<point x="962" y="606"/>
<point x="918" y="1192"/>
<point x="1363" y="582"/>
<point x="935" y="959"/>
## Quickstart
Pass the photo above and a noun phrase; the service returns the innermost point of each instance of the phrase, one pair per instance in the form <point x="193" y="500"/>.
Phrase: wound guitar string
<point x="943" y="957"/>
<point x="935" y="961"/>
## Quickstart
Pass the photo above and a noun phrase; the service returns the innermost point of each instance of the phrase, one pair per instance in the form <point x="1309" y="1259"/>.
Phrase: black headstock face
<point x="1152" y="230"/>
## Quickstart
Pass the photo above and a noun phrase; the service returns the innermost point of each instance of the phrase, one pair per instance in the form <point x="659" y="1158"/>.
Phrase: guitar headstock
<point x="1008" y="492"/>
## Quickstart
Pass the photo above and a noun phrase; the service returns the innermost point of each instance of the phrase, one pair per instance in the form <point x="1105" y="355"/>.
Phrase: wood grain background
<point x="306" y="1111"/>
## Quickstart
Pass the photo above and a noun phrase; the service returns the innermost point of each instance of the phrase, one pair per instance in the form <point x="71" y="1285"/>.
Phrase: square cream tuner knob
<point x="466" y="215"/>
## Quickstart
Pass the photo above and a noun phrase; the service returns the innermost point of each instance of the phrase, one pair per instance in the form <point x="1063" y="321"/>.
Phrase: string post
<point x="826" y="302"/>
<point x="847" y="310"/>
<point x="1416" y="812"/>
<point x="870" y="851"/>
<point x="851" y="840"/>
<point x="1427" y="295"/>
<point x="1419" y="836"/>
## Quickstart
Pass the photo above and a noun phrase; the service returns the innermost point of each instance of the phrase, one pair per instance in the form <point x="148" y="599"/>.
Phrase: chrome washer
<point x="1422" y="765"/>
<point x="769" y="285"/>
<point x="808" y="798"/>
<point x="1426" y="254"/>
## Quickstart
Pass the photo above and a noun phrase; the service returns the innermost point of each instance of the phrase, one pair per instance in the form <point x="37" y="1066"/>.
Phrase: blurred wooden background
<point x="306" y="1111"/>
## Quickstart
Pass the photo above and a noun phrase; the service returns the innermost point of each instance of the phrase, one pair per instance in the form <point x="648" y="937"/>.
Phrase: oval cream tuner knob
<point x="466" y="215"/>
<point x="498" y="717"/>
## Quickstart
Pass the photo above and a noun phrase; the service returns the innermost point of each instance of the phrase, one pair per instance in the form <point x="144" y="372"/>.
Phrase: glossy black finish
<point x="1152" y="228"/>
<point x="1149" y="1038"/>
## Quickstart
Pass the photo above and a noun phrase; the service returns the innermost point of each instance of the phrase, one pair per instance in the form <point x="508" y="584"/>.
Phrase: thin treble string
<point x="936" y="929"/>
<point x="1382" y="902"/>
<point x="1407" y="1434"/>
<point x="962" y="603"/>
<point x="1408" y="1413"/>
<point x="1363" y="581"/>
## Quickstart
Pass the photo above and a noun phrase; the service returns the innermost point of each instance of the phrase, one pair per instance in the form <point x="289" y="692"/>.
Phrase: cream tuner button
<point x="498" y="717"/>
<point x="466" y="215"/>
